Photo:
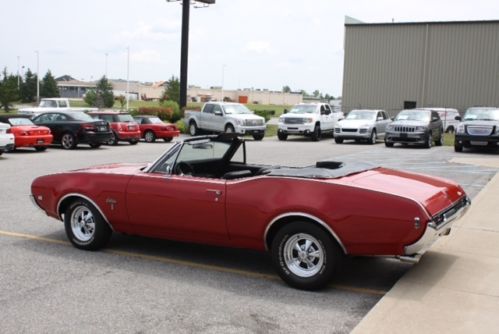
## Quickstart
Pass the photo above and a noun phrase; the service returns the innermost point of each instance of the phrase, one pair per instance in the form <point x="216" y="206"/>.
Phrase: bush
<point x="267" y="114"/>
<point x="181" y="126"/>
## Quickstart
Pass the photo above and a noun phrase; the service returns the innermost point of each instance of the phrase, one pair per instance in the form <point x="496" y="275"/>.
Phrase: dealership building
<point x="421" y="64"/>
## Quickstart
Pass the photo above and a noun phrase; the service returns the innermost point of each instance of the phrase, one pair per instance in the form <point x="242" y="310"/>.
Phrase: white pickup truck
<point x="53" y="104"/>
<point x="308" y="119"/>
<point x="225" y="117"/>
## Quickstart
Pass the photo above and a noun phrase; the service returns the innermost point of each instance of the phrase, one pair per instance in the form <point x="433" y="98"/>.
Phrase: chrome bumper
<point x="434" y="230"/>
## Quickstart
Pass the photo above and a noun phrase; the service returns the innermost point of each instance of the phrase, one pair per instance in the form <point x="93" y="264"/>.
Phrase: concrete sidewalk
<point x="455" y="286"/>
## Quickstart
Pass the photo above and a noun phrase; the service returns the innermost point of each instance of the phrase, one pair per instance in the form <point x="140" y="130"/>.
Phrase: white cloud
<point x="145" y="56"/>
<point x="260" y="47"/>
<point x="152" y="31"/>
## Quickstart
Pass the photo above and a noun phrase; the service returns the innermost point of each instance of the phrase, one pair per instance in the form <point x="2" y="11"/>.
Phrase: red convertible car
<point x="202" y="190"/>
<point x="27" y="134"/>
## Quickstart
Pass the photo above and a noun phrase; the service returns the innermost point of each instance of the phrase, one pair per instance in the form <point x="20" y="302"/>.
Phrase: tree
<point x="9" y="92"/>
<point x="316" y="93"/>
<point x="28" y="87"/>
<point x="102" y="96"/>
<point x="172" y="90"/>
<point x="49" y="86"/>
<point x="286" y="89"/>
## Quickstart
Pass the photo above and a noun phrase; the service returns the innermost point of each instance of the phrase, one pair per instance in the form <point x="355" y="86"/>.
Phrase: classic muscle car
<point x="202" y="190"/>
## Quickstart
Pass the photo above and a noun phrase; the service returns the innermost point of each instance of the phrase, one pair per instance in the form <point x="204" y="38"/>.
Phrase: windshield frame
<point x="492" y="112"/>
<point x="303" y="109"/>
<point x="373" y="115"/>
<point x="238" y="108"/>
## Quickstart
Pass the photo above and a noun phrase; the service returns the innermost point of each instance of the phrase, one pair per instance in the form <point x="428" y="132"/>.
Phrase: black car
<point x="72" y="128"/>
<point x="415" y="126"/>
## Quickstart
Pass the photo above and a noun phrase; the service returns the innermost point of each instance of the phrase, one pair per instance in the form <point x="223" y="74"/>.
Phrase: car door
<point x="327" y="121"/>
<point x="206" y="117"/>
<point x="161" y="203"/>
<point x="47" y="119"/>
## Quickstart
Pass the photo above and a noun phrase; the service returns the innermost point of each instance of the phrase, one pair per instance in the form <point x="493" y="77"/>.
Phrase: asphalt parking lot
<point x="140" y="285"/>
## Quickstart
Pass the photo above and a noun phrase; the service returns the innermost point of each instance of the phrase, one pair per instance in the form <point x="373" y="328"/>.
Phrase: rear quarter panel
<point x="367" y="222"/>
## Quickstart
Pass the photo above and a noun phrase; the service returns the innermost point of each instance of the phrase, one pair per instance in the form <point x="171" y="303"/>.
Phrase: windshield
<point x="155" y="120"/>
<point x="203" y="150"/>
<point x="236" y="109"/>
<point x="81" y="116"/>
<point x="361" y="115"/>
<point x="125" y="118"/>
<point x="48" y="104"/>
<point x="413" y="115"/>
<point x="482" y="115"/>
<point x="303" y="109"/>
<point x="20" y="121"/>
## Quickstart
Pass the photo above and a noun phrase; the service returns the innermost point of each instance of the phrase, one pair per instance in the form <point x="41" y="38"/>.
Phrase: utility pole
<point x="37" y="77"/>
<point x="105" y="69"/>
<point x="127" y="77"/>
<point x="184" y="48"/>
<point x="18" y="77"/>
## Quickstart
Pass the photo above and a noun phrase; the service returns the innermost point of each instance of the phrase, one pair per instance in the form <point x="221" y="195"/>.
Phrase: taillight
<point x="88" y="127"/>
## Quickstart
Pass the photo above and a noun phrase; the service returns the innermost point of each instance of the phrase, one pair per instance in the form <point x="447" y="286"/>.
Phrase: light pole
<point x="18" y="78"/>
<point x="184" y="49"/>
<point x="37" y="77"/>
<point x="127" y="77"/>
<point x="105" y="68"/>
<point x="223" y="79"/>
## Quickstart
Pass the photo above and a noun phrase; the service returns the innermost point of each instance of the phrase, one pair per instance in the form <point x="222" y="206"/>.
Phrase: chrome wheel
<point x="303" y="255"/>
<point x="193" y="130"/>
<point x="373" y="137"/>
<point x="82" y="223"/>
<point x="150" y="137"/>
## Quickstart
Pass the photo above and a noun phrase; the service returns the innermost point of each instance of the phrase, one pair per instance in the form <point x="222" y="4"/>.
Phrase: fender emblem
<point x="112" y="202"/>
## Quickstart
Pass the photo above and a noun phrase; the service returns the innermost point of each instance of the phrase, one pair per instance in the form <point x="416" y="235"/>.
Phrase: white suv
<point x="308" y="119"/>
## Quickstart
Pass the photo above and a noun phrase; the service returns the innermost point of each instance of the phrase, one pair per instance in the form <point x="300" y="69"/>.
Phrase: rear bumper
<point x="434" y="230"/>
<point x="95" y="137"/>
<point x="31" y="141"/>
<point x="167" y="134"/>
<point x="135" y="135"/>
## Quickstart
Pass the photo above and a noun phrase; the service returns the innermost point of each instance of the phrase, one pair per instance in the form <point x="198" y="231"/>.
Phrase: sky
<point x="264" y="44"/>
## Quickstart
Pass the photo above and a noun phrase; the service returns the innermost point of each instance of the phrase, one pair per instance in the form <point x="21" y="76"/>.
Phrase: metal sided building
<point x="429" y="64"/>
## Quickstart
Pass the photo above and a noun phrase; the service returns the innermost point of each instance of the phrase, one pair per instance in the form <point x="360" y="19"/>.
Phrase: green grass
<point x="271" y="130"/>
<point x="449" y="139"/>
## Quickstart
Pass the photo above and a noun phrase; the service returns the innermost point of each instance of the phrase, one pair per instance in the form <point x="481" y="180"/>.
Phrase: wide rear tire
<point x="282" y="135"/>
<point x="150" y="137"/>
<point x="304" y="255"/>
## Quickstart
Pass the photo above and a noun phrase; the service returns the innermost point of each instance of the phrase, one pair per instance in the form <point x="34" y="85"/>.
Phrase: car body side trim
<point x="305" y="215"/>
<point x="87" y="199"/>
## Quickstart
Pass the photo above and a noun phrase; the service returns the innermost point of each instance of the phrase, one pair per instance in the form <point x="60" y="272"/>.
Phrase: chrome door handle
<point x="215" y="191"/>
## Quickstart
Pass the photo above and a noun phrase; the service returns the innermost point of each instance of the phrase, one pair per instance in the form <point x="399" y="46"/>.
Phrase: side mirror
<point x="218" y="113"/>
<point x="458" y="118"/>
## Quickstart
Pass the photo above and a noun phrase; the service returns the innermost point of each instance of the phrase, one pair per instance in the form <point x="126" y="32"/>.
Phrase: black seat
<point x="237" y="174"/>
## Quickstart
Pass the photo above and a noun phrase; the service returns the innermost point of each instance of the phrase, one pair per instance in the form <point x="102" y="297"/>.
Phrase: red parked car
<point x="152" y="128"/>
<point x="203" y="191"/>
<point x="124" y="127"/>
<point x="27" y="134"/>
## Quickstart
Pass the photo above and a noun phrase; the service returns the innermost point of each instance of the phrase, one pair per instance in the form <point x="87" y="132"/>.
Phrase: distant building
<point x="71" y="88"/>
<point x="427" y="64"/>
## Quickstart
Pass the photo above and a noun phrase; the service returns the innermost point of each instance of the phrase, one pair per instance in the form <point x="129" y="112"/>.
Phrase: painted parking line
<point x="189" y="264"/>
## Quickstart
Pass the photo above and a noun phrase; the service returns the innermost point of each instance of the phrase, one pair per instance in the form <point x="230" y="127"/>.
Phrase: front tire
<point x="338" y="140"/>
<point x="388" y="144"/>
<point x="95" y="145"/>
<point x="113" y="141"/>
<point x="373" y="138"/>
<point x="458" y="147"/>
<point x="40" y="148"/>
<point x="193" y="129"/>
<point x="258" y="137"/>
<point x="282" y="135"/>
<point x="85" y="227"/>
<point x="428" y="141"/>
<point x="167" y="140"/>
<point x="304" y="255"/>
<point x="316" y="135"/>
<point x="229" y="128"/>
<point x="133" y="142"/>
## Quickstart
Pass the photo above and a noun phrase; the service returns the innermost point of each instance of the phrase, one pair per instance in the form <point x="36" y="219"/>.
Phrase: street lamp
<point x="37" y="76"/>
<point x="184" y="49"/>
<point x="223" y="79"/>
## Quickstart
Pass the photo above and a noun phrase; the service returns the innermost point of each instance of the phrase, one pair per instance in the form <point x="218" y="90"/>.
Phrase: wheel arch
<point x="67" y="199"/>
<point x="281" y="220"/>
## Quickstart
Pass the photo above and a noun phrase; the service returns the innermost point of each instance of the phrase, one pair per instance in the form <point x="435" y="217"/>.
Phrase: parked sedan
<point x="202" y="190"/>
<point x="26" y="133"/>
<point x="124" y="127"/>
<point x="362" y="124"/>
<point x="415" y="126"/>
<point x="6" y="138"/>
<point x="72" y="128"/>
<point x="151" y="128"/>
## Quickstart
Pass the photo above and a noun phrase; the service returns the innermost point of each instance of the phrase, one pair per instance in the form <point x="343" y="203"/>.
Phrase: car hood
<point x="296" y="115"/>
<point x="245" y="116"/>
<point x="481" y="123"/>
<point x="121" y="168"/>
<point x="435" y="194"/>
<point x="355" y="123"/>
<point x="409" y="123"/>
